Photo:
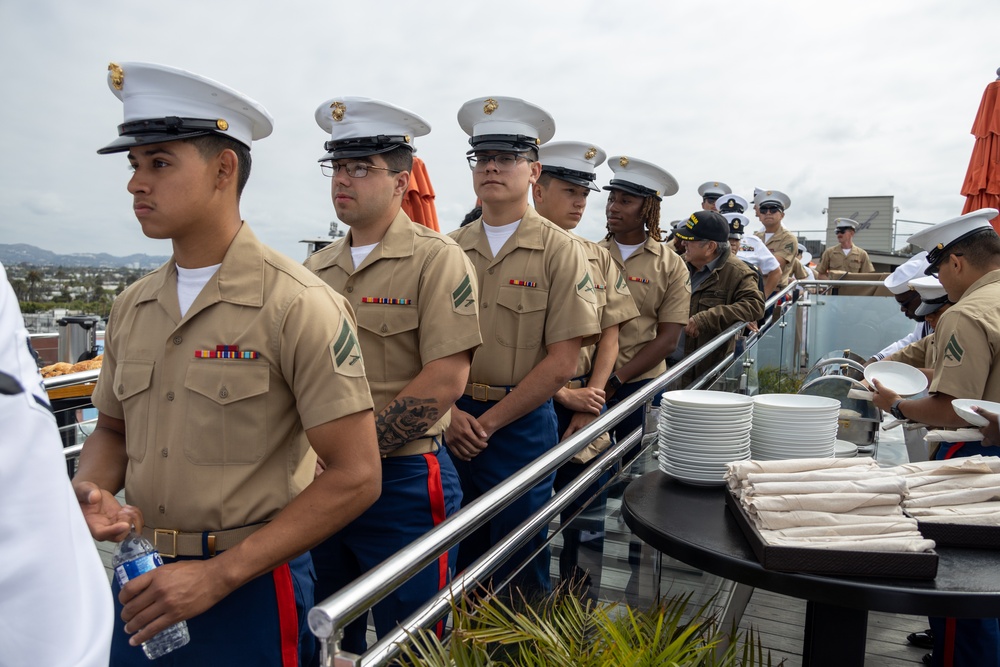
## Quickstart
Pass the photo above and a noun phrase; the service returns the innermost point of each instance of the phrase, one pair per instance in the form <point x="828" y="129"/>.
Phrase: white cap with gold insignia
<point x="641" y="178"/>
<point x="166" y="104"/>
<point x="360" y="126"/>
<point x="572" y="161"/>
<point x="937" y="239"/>
<point x="772" y="197"/>
<point x="505" y="124"/>
<point x="714" y="189"/>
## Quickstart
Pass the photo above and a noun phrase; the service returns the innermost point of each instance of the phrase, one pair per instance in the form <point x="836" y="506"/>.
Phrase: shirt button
<point x="178" y="340"/>
<point x="170" y="395"/>
<point x="486" y="305"/>
<point x="163" y="510"/>
<point x="350" y="289"/>
<point x="163" y="452"/>
<point x="519" y="307"/>
<point x="384" y="328"/>
<point x="223" y="393"/>
<point x="490" y="271"/>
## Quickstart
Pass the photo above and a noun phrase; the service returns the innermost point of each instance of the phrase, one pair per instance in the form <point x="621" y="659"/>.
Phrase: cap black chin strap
<point x="168" y="125"/>
<point x="572" y="173"/>
<point x="513" y="139"/>
<point x="377" y="142"/>
<point x="936" y="255"/>
<point x="640" y="190"/>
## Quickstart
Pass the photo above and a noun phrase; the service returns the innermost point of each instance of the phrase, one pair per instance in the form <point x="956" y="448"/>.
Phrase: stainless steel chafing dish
<point x="859" y="419"/>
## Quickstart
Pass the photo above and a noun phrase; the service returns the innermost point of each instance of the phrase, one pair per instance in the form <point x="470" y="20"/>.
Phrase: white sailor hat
<point x="806" y="258"/>
<point x="713" y="189"/>
<point x="360" y="126"/>
<point x="802" y="248"/>
<point x="937" y="239"/>
<point x="641" y="178"/>
<point x="845" y="223"/>
<point x="731" y="204"/>
<point x="933" y="296"/>
<point x="772" y="197"/>
<point x="757" y="194"/>
<point x="166" y="104"/>
<point x="505" y="124"/>
<point x="572" y="161"/>
<point x="737" y="224"/>
<point x="898" y="281"/>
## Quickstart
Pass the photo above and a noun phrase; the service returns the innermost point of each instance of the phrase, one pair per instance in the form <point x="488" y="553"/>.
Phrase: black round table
<point x="693" y="525"/>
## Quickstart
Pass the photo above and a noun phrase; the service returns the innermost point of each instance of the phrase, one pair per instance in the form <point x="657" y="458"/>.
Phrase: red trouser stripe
<point x="435" y="492"/>
<point x="949" y="642"/>
<point x="953" y="450"/>
<point x="288" y="617"/>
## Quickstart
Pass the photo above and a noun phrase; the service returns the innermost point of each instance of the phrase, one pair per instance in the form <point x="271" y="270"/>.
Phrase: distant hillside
<point x="22" y="253"/>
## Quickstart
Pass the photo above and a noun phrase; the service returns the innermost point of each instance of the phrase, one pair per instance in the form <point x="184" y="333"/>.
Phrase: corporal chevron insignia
<point x="463" y="298"/>
<point x="953" y="352"/>
<point x="346" y="353"/>
<point x="621" y="285"/>
<point x="585" y="288"/>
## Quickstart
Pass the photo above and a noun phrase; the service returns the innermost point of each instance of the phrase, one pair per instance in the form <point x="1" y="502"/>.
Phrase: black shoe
<point x="923" y="639"/>
<point x="926" y="659"/>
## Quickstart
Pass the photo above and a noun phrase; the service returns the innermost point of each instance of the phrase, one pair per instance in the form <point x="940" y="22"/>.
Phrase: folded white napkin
<point x="924" y="485"/>
<point x="901" y="527"/>
<point x="959" y="435"/>
<point x="975" y="509"/>
<point x="806" y="518"/>
<point x="966" y="464"/>
<point x="877" y="543"/>
<point x="952" y="498"/>
<point x="828" y="502"/>
<point x="884" y="484"/>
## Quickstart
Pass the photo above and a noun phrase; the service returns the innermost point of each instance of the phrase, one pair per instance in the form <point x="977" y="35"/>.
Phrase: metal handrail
<point x="70" y="379"/>
<point x="328" y="618"/>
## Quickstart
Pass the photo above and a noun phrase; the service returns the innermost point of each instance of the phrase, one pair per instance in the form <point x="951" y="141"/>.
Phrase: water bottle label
<point x="133" y="568"/>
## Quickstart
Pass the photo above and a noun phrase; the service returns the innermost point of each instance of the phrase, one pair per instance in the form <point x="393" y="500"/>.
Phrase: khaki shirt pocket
<point x="226" y="419"/>
<point x="520" y="320"/>
<point x="132" y="382"/>
<point x="390" y="340"/>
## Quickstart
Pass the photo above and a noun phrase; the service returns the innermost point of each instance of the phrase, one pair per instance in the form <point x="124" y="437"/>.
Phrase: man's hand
<point x="106" y="518"/>
<point x="991" y="432"/>
<point x="176" y="592"/>
<point x="577" y="422"/>
<point x="583" y="399"/>
<point x="465" y="436"/>
<point x="691" y="330"/>
<point x="883" y="396"/>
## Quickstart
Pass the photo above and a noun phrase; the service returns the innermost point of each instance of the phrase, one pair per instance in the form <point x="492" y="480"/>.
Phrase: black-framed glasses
<point x="354" y="169"/>
<point x="769" y="209"/>
<point x="838" y="232"/>
<point x="503" y="161"/>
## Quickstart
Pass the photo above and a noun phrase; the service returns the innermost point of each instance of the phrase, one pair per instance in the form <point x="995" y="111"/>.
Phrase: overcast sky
<point x="845" y="98"/>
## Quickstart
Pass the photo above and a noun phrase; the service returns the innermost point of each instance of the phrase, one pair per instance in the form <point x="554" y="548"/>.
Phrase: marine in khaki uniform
<point x="414" y="294"/>
<point x="226" y="371"/>
<point x="560" y="195"/>
<point x="536" y="308"/>
<point x="710" y="193"/>
<point x="846" y="257"/>
<point x="656" y="277"/>
<point x="724" y="289"/>
<point x="964" y="252"/>
<point x="771" y="206"/>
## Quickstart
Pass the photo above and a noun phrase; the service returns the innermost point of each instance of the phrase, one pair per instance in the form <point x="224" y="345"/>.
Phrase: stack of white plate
<point x="700" y="432"/>
<point x="793" y="426"/>
<point x="844" y="449"/>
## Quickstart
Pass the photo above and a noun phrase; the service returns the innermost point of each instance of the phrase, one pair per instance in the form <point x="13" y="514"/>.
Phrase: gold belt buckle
<point x="156" y="542"/>
<point x="480" y="392"/>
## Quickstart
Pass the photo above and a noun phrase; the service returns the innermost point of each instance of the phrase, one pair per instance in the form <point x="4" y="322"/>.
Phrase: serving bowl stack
<point x="700" y="432"/>
<point x="793" y="426"/>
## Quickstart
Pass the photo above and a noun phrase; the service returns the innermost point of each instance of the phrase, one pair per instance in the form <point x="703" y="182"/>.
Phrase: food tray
<point x="961" y="535"/>
<point x="72" y="391"/>
<point x="833" y="562"/>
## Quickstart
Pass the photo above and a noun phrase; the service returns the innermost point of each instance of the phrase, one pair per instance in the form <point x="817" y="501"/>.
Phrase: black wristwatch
<point x="614" y="382"/>
<point x="895" y="411"/>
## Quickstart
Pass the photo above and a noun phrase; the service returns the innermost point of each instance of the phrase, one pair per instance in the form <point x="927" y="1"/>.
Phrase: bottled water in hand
<point x="134" y="556"/>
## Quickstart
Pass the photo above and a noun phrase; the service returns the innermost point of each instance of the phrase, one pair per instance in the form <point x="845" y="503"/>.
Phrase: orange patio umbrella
<point x="982" y="181"/>
<point x="418" y="202"/>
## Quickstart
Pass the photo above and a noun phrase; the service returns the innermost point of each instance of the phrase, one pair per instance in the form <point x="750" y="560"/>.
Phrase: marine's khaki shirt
<point x="661" y="288"/>
<point x="967" y="339"/>
<point x="614" y="301"/>
<point x="217" y="443"/>
<point x="782" y="245"/>
<point x="834" y="259"/>
<point x="415" y="300"/>
<point x="535" y="292"/>
<point x="920" y="354"/>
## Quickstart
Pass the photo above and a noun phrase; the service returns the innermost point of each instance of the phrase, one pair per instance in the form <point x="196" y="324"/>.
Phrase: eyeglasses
<point x="354" y="169"/>
<point x="769" y="209"/>
<point x="503" y="161"/>
<point x="840" y="231"/>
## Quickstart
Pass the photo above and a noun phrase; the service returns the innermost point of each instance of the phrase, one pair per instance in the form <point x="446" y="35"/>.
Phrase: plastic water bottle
<point x="134" y="556"/>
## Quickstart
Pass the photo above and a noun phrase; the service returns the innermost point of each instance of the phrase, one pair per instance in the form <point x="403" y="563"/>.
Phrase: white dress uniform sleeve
<point x="56" y="604"/>
<point x="919" y="332"/>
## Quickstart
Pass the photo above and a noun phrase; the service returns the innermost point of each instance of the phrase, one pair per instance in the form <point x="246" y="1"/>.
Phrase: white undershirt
<point x="497" y="235"/>
<point x="360" y="253"/>
<point x="190" y="283"/>
<point x="846" y="251"/>
<point x="627" y="250"/>
<point x="767" y="236"/>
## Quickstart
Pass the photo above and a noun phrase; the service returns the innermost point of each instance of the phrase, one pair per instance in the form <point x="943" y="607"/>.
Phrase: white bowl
<point x="901" y="378"/>
<point x="963" y="408"/>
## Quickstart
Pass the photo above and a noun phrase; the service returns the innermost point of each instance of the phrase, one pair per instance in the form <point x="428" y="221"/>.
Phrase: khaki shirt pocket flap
<point x="132" y="377"/>
<point x="229" y="381"/>
<point x="387" y="320"/>
<point x="522" y="299"/>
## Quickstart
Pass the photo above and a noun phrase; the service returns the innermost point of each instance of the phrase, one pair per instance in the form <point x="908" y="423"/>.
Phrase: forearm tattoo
<point x="404" y="420"/>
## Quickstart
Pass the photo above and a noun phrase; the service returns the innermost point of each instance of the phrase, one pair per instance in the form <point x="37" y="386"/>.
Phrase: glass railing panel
<point x="862" y="324"/>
